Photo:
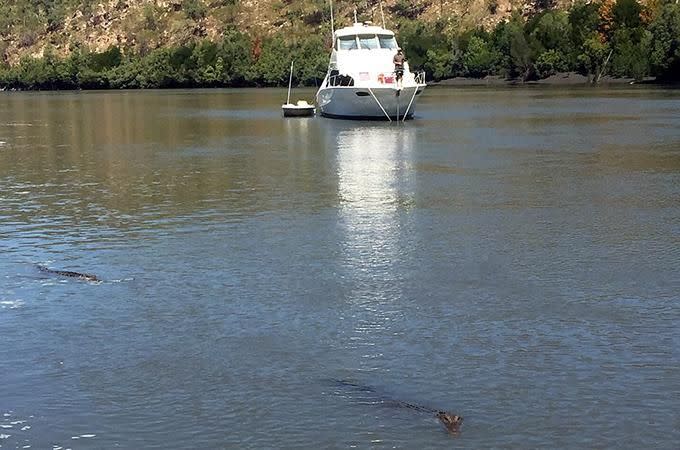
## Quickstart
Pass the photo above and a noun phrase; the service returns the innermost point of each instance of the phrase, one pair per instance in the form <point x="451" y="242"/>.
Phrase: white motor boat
<point x="361" y="82"/>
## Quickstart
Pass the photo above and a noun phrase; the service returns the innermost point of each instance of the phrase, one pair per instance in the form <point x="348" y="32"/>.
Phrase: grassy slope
<point x="29" y="27"/>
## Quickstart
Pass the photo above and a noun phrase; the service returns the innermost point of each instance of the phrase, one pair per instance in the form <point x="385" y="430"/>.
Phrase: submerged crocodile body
<point x="70" y="274"/>
<point x="451" y="421"/>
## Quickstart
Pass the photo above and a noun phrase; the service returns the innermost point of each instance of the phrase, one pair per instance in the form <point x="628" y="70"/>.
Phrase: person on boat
<point x="398" y="61"/>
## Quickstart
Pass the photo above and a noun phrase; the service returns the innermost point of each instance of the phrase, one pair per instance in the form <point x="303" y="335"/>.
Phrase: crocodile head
<point x="451" y="421"/>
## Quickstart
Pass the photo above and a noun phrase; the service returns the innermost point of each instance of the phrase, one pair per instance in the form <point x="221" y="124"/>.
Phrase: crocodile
<point x="452" y="422"/>
<point x="68" y="273"/>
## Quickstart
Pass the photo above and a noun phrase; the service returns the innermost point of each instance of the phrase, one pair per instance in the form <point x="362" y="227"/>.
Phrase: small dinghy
<point x="299" y="109"/>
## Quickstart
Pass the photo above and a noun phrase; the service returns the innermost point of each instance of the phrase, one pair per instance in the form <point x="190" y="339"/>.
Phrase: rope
<point x="410" y="103"/>
<point x="381" y="106"/>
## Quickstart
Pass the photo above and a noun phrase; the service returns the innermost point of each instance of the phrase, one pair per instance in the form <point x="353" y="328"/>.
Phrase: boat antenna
<point x="355" y="16"/>
<point x="382" y="14"/>
<point x="290" y="82"/>
<point x="332" y="24"/>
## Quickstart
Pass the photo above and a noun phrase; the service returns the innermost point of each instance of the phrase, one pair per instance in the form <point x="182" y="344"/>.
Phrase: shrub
<point x="549" y="63"/>
<point x="665" y="46"/>
<point x="194" y="9"/>
<point x="479" y="58"/>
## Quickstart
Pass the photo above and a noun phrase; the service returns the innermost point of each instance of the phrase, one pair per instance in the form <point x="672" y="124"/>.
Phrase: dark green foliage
<point x="439" y="63"/>
<point x="194" y="9"/>
<point x="311" y="61"/>
<point x="551" y="32"/>
<point x="520" y="54"/>
<point x="626" y="14"/>
<point x="584" y="20"/>
<point x="48" y="72"/>
<point x="480" y="58"/>
<point x="419" y="40"/>
<point x="55" y="15"/>
<point x="549" y="63"/>
<point x="593" y="55"/>
<point x="273" y="65"/>
<point x="409" y="9"/>
<point x="631" y="53"/>
<point x="511" y="42"/>
<point x="105" y="60"/>
<point x="234" y="64"/>
<point x="665" y="43"/>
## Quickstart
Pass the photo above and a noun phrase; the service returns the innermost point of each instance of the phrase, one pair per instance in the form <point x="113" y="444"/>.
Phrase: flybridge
<point x="366" y="27"/>
<point x="364" y="37"/>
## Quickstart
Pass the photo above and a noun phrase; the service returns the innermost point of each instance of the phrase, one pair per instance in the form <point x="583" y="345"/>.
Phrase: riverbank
<point x="559" y="79"/>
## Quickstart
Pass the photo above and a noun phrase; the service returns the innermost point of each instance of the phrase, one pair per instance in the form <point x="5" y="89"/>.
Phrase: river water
<point x="512" y="255"/>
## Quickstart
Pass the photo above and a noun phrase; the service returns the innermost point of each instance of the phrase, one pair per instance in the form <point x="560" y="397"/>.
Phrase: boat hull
<point x="298" y="111"/>
<point x="355" y="102"/>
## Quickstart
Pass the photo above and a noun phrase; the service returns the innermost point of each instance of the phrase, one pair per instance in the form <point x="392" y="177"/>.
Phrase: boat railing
<point x="347" y="80"/>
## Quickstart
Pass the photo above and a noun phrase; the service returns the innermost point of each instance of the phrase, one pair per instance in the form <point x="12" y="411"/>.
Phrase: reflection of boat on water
<point x="375" y="182"/>
<point x="361" y="81"/>
<point x="376" y="192"/>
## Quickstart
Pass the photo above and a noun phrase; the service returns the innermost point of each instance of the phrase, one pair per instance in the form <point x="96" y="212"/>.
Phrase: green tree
<point x="510" y="41"/>
<point x="594" y="54"/>
<point x="665" y="46"/>
<point x="311" y="60"/>
<point x="479" y="58"/>
<point x="584" y="20"/>
<point x="417" y="38"/>
<point x="631" y="52"/>
<point x="549" y="63"/>
<point x="552" y="31"/>
<point x="439" y="63"/>
<point x="274" y="63"/>
<point x="194" y="9"/>
<point x="237" y="62"/>
<point x="201" y="64"/>
<point x="99" y="62"/>
<point x="626" y="14"/>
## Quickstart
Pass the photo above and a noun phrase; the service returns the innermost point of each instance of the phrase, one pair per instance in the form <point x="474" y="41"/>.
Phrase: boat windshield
<point x="347" y="43"/>
<point x="368" y="41"/>
<point x="387" y="41"/>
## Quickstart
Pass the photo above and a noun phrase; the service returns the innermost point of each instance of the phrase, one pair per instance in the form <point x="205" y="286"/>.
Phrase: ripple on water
<point x="15" y="433"/>
<point x="11" y="304"/>
<point x="14" y="430"/>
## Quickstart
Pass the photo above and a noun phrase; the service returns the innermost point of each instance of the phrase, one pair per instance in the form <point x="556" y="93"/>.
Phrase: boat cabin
<point x="365" y="37"/>
<point x="361" y="52"/>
